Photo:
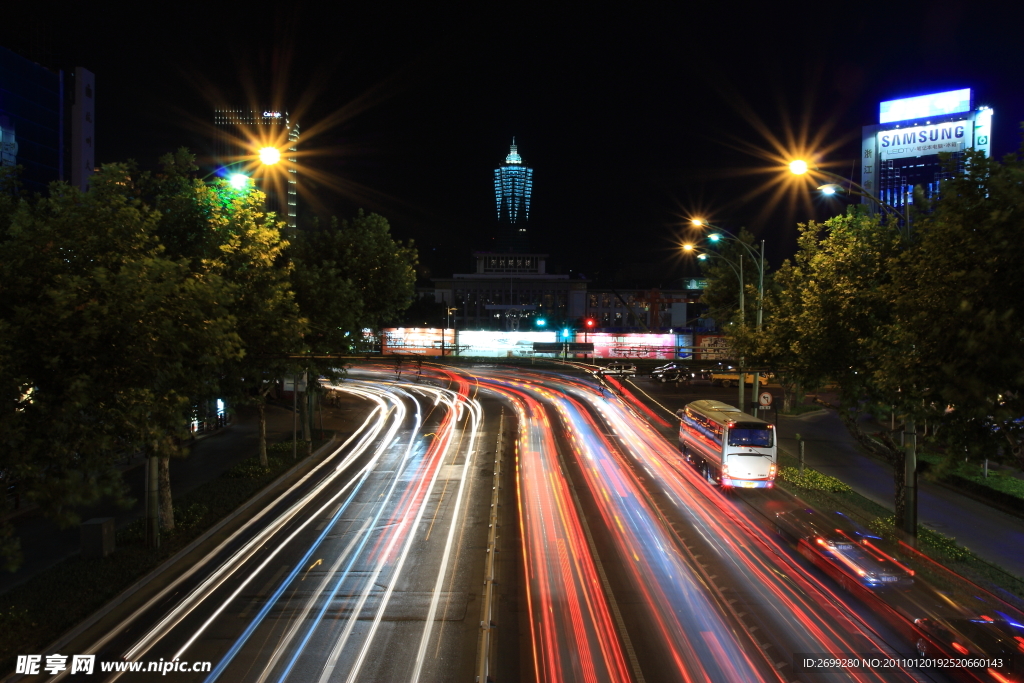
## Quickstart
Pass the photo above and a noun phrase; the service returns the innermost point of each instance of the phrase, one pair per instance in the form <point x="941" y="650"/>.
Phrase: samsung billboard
<point x="952" y="136"/>
<point x="925" y="106"/>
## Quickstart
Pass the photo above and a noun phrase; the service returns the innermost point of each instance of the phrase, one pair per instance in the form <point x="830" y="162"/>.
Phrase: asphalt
<point x="992" y="534"/>
<point x="44" y="544"/>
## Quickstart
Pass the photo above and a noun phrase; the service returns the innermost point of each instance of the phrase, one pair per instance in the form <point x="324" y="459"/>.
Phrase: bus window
<point x="750" y="435"/>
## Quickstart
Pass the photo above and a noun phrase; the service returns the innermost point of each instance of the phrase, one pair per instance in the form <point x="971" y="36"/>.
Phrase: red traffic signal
<point x="590" y="322"/>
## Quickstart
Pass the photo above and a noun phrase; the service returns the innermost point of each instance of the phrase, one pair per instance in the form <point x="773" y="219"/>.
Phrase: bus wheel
<point x="726" y="384"/>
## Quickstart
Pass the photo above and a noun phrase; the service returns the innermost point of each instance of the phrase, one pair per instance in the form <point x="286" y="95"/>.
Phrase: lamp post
<point x="757" y="257"/>
<point x="739" y="275"/>
<point x="801" y="167"/>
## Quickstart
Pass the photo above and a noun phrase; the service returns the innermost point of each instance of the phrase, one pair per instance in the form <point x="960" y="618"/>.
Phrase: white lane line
<point x="428" y="626"/>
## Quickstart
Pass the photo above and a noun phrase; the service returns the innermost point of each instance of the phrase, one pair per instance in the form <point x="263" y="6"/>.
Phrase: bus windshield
<point x="754" y="435"/>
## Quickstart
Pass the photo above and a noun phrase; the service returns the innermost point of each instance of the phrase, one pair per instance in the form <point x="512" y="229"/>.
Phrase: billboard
<point x="609" y="345"/>
<point x="712" y="347"/>
<point x="417" y="341"/>
<point x="952" y="136"/>
<point x="487" y="344"/>
<point x="925" y="106"/>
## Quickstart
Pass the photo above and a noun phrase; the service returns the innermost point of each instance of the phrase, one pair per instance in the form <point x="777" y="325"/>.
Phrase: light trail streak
<point x="415" y="499"/>
<point x="475" y="413"/>
<point x="674" y="596"/>
<point x="222" y="664"/>
<point x="808" y="610"/>
<point x="205" y="588"/>
<point x="572" y="631"/>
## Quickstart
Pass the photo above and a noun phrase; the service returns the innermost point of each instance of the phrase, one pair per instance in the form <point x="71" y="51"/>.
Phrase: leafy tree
<point x="349" y="276"/>
<point x="103" y="336"/>
<point x="955" y="341"/>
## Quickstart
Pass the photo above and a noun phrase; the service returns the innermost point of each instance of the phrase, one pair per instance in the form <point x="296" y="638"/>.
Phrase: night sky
<point x="632" y="120"/>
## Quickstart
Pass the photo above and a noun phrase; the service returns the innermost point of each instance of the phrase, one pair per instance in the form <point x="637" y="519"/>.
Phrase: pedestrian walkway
<point x="994" y="535"/>
<point x="44" y="544"/>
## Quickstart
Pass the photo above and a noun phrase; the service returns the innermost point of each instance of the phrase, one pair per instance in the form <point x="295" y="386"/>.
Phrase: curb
<point x="95" y="617"/>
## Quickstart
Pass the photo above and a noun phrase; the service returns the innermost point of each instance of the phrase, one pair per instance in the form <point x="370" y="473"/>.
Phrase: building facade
<point x="241" y="134"/>
<point x="513" y="192"/>
<point x="509" y="290"/>
<point x="46" y="122"/>
<point x="902" y="150"/>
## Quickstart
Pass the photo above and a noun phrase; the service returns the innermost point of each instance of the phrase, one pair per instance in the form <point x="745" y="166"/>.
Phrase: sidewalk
<point x="44" y="544"/>
<point x="994" y="535"/>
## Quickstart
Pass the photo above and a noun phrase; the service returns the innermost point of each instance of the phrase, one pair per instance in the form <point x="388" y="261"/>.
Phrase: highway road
<point x="617" y="561"/>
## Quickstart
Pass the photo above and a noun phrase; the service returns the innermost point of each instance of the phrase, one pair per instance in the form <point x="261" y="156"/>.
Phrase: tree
<point x="104" y="335"/>
<point x="349" y="276"/>
<point x="958" y="321"/>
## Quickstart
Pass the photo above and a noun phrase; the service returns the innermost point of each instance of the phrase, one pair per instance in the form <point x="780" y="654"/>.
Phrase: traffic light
<point x="590" y="322"/>
<point x="541" y="322"/>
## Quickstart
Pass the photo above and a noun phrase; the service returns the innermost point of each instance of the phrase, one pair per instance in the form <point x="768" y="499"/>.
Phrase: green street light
<point x="238" y="181"/>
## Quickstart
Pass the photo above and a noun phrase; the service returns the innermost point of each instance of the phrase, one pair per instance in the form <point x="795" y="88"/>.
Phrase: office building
<point x="241" y="134"/>
<point x="46" y="122"/>
<point x="902" y="150"/>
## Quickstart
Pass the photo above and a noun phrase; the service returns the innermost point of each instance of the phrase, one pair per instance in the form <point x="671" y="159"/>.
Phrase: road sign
<point x="765" y="398"/>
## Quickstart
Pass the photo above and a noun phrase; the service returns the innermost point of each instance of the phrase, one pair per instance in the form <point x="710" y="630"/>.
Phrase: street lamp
<point x="238" y="181"/>
<point x="757" y="257"/>
<point x="801" y="167"/>
<point x="269" y="156"/>
<point x="739" y="276"/>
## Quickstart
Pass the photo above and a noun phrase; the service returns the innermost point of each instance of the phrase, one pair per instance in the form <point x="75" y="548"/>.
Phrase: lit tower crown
<point x="513" y="187"/>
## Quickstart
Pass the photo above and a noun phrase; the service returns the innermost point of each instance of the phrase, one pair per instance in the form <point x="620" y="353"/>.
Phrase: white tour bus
<point x="730" y="448"/>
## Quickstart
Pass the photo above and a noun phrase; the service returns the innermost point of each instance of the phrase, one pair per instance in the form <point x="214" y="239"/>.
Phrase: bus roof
<point x="722" y="412"/>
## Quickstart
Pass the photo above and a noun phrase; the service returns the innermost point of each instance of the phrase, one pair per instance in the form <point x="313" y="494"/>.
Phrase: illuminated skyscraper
<point x="513" y="189"/>
<point x="241" y="132"/>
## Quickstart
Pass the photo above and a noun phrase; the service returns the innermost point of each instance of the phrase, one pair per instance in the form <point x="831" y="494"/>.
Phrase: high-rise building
<point x="902" y="150"/>
<point x="513" y="190"/>
<point x="46" y="122"/>
<point x="241" y="134"/>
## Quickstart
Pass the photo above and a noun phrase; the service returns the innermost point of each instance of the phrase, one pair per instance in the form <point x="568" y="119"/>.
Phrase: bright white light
<point x="715" y="237"/>
<point x="238" y="181"/>
<point x="829" y="189"/>
<point x="798" y="167"/>
<point x="270" y="155"/>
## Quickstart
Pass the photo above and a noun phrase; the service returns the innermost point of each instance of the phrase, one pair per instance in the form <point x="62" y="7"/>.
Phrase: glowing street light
<point x="270" y="156"/>
<point x="238" y="181"/>
<point x="798" y="167"/>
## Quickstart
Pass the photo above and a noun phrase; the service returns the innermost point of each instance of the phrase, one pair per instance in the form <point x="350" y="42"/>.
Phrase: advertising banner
<point x="417" y="341"/>
<point x="608" y="345"/>
<point x="952" y="136"/>
<point x="712" y="347"/>
<point x="486" y="344"/>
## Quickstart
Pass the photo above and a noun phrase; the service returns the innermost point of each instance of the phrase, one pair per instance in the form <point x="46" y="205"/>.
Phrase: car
<point x="620" y="368"/>
<point x="984" y="636"/>
<point x="669" y="373"/>
<point x="843" y="549"/>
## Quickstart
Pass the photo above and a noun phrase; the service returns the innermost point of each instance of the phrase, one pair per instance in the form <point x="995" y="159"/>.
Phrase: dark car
<point x="843" y="549"/>
<point x="669" y="373"/>
<point x="983" y="637"/>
